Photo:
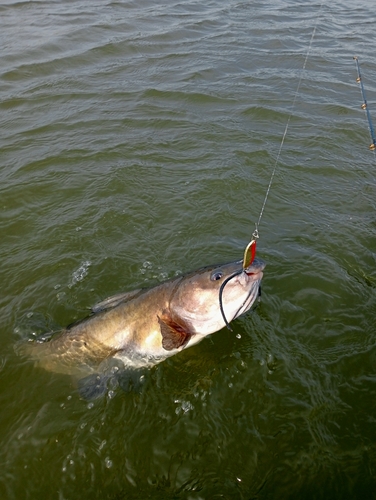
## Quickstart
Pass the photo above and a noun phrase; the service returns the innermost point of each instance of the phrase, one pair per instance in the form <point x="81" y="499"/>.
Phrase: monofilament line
<point x="255" y="234"/>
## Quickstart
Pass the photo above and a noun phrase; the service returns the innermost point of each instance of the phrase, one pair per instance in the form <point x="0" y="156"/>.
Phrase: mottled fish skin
<point x="144" y="327"/>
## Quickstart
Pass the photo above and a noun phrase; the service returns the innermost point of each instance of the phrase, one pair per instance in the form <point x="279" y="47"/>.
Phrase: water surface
<point x="137" y="140"/>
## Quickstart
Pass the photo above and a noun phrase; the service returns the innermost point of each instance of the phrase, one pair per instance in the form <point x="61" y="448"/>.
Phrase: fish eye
<point x="217" y="275"/>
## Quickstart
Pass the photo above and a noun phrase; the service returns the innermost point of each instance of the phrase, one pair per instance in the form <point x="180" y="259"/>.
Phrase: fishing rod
<point x="365" y="105"/>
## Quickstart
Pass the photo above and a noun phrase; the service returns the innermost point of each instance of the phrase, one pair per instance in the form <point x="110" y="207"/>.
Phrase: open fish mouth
<point x="255" y="268"/>
<point x="253" y="273"/>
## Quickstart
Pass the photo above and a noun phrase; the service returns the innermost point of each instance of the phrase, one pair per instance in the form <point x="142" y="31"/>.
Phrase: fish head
<point x="198" y="297"/>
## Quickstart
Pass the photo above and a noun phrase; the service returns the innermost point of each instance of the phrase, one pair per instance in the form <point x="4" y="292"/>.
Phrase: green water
<point x="137" y="140"/>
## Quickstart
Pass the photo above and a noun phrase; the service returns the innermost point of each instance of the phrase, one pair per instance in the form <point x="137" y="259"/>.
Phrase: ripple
<point x="138" y="141"/>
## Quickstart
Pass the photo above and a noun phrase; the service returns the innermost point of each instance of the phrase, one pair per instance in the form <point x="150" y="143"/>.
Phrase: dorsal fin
<point x="115" y="300"/>
<point x="175" y="334"/>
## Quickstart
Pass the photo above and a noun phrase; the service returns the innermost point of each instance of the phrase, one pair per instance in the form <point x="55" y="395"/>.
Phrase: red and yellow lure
<point x="250" y="249"/>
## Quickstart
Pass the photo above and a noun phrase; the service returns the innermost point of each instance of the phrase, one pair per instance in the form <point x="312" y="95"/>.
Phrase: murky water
<point x="138" y="140"/>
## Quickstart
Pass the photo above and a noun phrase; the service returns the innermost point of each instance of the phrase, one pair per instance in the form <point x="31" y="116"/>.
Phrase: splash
<point x="80" y="273"/>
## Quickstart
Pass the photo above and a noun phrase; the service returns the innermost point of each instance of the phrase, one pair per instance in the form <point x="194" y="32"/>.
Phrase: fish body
<point x="146" y="326"/>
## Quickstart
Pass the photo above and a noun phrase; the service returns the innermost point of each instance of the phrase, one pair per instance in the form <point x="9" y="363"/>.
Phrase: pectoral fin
<point x="174" y="334"/>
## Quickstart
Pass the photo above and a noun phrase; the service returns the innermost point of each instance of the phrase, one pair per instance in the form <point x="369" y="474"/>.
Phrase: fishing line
<point x="365" y="106"/>
<point x="250" y="251"/>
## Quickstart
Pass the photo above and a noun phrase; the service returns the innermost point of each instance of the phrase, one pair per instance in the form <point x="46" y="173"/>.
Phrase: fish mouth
<point x="257" y="274"/>
<point x="255" y="269"/>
